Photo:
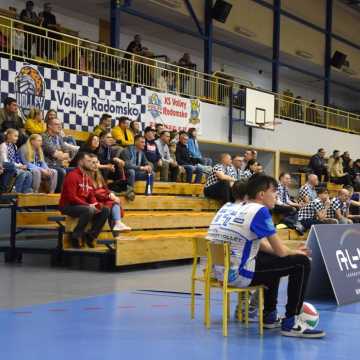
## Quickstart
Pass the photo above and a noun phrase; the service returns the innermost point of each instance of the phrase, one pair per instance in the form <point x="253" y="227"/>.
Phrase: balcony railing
<point x="29" y="43"/>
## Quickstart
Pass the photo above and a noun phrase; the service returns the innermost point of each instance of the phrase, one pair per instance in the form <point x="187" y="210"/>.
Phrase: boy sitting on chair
<point x="258" y="256"/>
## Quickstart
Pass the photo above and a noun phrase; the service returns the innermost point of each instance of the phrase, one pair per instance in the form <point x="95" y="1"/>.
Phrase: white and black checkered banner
<point x="79" y="99"/>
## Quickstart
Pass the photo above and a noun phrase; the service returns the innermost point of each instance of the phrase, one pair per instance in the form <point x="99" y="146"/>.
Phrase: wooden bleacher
<point x="163" y="225"/>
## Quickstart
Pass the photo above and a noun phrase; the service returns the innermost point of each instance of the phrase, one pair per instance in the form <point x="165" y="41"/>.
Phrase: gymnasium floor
<point x="68" y="314"/>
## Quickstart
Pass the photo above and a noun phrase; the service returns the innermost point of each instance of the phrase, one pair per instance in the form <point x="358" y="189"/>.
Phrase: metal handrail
<point x="87" y="57"/>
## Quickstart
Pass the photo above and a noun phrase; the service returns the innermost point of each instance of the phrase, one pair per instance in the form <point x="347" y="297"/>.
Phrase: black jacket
<point x="183" y="156"/>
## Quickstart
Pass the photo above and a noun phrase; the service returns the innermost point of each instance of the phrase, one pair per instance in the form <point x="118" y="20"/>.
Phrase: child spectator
<point x="9" y="154"/>
<point x="33" y="157"/>
<point x="122" y="134"/>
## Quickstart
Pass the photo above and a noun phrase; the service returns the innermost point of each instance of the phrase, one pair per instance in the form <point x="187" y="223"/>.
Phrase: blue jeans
<point x="134" y="175"/>
<point x="7" y="175"/>
<point x="116" y="213"/>
<point x="190" y="169"/>
<point x="23" y="181"/>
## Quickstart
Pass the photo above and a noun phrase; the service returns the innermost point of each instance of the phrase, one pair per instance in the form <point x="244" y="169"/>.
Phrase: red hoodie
<point x="77" y="189"/>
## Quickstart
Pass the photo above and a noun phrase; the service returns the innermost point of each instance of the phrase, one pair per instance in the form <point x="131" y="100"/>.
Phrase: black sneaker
<point x="89" y="240"/>
<point x="75" y="243"/>
<point x="294" y="327"/>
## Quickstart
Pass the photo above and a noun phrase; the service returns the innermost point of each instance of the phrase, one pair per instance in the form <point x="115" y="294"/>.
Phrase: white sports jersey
<point x="243" y="226"/>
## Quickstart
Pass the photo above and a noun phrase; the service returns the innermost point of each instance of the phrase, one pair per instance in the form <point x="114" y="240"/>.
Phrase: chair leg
<point x="228" y="305"/>
<point x="240" y="307"/>
<point x="192" y="299"/>
<point x="225" y="313"/>
<point x="261" y="310"/>
<point x="246" y="307"/>
<point x="207" y="306"/>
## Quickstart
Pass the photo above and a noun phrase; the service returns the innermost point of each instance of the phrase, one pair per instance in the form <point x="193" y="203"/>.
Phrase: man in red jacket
<point x="78" y="200"/>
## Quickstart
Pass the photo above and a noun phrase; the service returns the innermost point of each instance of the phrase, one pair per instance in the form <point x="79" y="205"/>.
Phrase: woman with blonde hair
<point x="35" y="123"/>
<point x="32" y="155"/>
<point x="106" y="198"/>
<point x="9" y="156"/>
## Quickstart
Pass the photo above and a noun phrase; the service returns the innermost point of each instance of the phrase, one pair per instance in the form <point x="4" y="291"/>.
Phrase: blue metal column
<point x="328" y="50"/>
<point x="276" y="45"/>
<point x="115" y="23"/>
<point x="208" y="41"/>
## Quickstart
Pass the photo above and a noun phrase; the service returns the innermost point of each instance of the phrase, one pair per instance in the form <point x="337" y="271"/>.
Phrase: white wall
<point x="288" y="135"/>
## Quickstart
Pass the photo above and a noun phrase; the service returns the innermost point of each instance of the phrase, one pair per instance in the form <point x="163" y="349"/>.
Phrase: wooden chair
<point x="219" y="254"/>
<point x="200" y="251"/>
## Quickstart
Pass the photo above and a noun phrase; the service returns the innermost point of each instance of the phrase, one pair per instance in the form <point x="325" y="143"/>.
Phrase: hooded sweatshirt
<point x="78" y="189"/>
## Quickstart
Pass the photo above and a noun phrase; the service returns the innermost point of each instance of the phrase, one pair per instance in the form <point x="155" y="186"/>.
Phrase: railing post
<point x="133" y="69"/>
<point x="304" y="112"/>
<point x="78" y="56"/>
<point x="12" y="33"/>
<point x="178" y="81"/>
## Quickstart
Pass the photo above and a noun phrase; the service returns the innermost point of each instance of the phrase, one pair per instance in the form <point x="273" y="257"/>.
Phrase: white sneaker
<point x="295" y="327"/>
<point x="120" y="226"/>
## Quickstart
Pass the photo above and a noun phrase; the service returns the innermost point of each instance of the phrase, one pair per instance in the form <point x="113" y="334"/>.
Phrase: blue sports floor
<point x="151" y="325"/>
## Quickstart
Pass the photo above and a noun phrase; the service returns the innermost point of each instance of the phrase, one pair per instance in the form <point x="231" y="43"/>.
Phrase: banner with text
<point x="335" y="262"/>
<point x="176" y="112"/>
<point x="80" y="100"/>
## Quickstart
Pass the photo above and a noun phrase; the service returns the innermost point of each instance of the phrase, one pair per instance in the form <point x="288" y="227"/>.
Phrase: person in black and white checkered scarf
<point x="221" y="179"/>
<point x="315" y="212"/>
<point x="339" y="207"/>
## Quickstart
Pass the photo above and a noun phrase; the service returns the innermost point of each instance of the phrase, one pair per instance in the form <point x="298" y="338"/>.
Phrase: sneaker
<point x="75" y="243"/>
<point x="90" y="241"/>
<point x="253" y="315"/>
<point x="294" y="327"/>
<point x="120" y="226"/>
<point x="272" y="321"/>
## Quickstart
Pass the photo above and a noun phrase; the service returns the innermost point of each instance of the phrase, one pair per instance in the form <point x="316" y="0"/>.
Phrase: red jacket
<point x="102" y="197"/>
<point x="77" y="189"/>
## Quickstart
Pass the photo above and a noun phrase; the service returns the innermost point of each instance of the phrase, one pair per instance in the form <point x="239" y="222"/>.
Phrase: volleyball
<point x="309" y="315"/>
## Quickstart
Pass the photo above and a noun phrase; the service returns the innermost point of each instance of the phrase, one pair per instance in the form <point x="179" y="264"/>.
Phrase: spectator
<point x="184" y="159"/>
<point x="285" y="205"/>
<point x="33" y="157"/>
<point x="104" y="124"/>
<point x="91" y="146"/>
<point x="339" y="208"/>
<point x="252" y="167"/>
<point x="185" y="62"/>
<point x="355" y="171"/>
<point x="135" y="127"/>
<point x="315" y="212"/>
<point x="153" y="155"/>
<point x="168" y="164"/>
<point x="107" y="198"/>
<point x="159" y="128"/>
<point x="238" y="162"/>
<point x="298" y="113"/>
<point x="9" y="155"/>
<point x="337" y="174"/>
<point x="172" y="150"/>
<point x="193" y="146"/>
<point x="307" y="192"/>
<point x="354" y="210"/>
<point x="220" y="181"/>
<point x="48" y="21"/>
<point x="111" y="165"/>
<point x="317" y="165"/>
<point x="19" y="40"/>
<point x="135" y="46"/>
<point x="29" y="16"/>
<point x="162" y="83"/>
<point x="122" y="134"/>
<point x="57" y="153"/>
<point x="346" y="159"/>
<point x="78" y="200"/>
<point x="136" y="164"/>
<point x="69" y="140"/>
<point x="10" y="119"/>
<point x="35" y="123"/>
<point x="249" y="155"/>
